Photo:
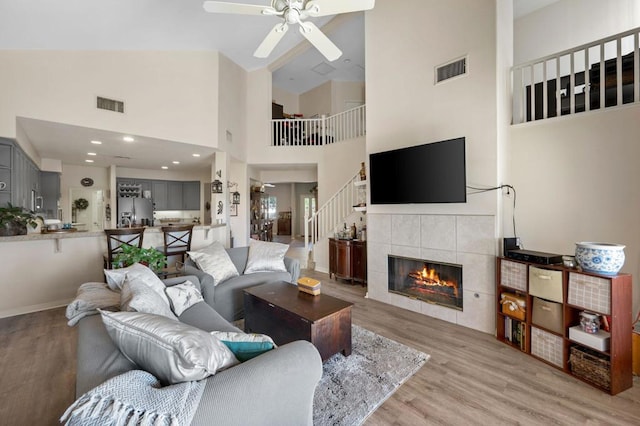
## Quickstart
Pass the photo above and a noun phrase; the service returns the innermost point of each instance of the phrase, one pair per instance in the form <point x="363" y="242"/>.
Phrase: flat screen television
<point x="429" y="173"/>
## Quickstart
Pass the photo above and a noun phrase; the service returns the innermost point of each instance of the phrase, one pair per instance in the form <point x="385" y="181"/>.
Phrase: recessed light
<point x="96" y="142"/>
<point x="196" y="155"/>
<point x="91" y="153"/>
<point x="175" y="162"/>
<point x="88" y="161"/>
<point x="347" y="61"/>
<point x="164" y="167"/>
<point x="128" y="138"/>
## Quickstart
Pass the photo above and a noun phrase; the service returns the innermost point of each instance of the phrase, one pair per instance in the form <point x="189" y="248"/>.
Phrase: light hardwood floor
<point x="471" y="378"/>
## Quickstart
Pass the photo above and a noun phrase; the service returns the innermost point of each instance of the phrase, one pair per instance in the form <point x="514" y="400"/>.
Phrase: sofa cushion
<point x="183" y="296"/>
<point x="115" y="278"/>
<point x="215" y="261"/>
<point x="137" y="296"/>
<point x="266" y="256"/>
<point x="204" y="317"/>
<point x="170" y="350"/>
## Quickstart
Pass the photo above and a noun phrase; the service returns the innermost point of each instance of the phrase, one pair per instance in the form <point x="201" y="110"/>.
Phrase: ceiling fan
<point x="294" y="12"/>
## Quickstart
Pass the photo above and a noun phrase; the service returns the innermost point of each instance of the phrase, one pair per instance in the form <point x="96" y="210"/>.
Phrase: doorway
<point x="307" y="208"/>
<point x="90" y="218"/>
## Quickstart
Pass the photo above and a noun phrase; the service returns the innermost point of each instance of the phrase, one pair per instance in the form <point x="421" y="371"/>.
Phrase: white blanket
<point x="89" y="298"/>
<point x="136" y="398"/>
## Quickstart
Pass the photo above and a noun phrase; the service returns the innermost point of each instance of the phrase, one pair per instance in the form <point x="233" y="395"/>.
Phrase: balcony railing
<point x="593" y="76"/>
<point x="325" y="130"/>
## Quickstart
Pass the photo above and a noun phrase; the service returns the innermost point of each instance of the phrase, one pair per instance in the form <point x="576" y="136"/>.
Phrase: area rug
<point x="353" y="387"/>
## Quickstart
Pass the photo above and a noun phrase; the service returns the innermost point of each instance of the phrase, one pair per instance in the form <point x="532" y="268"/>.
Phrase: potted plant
<point x="14" y="220"/>
<point x="129" y="255"/>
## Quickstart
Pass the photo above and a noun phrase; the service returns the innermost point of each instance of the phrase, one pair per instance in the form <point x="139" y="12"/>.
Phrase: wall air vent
<point x="451" y="69"/>
<point x="110" y="105"/>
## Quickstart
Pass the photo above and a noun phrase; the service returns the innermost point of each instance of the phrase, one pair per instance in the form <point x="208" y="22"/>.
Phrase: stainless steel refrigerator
<point x="135" y="211"/>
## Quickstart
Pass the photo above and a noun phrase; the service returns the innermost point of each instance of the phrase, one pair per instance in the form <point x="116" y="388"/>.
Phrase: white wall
<point x="588" y="189"/>
<point x="570" y="23"/>
<point x="70" y="179"/>
<point x="290" y="101"/>
<point x="346" y="91"/>
<point x="169" y="95"/>
<point x="232" y="122"/>
<point x="317" y="101"/>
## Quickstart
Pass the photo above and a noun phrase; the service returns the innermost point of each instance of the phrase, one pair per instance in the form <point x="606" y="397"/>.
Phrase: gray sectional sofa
<point x="227" y="297"/>
<point x="275" y="388"/>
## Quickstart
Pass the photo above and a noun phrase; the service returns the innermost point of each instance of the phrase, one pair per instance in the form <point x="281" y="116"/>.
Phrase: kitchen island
<point x="43" y="271"/>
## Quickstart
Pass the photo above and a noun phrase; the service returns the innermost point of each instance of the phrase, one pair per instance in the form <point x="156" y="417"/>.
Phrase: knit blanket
<point x="136" y="398"/>
<point x="89" y="298"/>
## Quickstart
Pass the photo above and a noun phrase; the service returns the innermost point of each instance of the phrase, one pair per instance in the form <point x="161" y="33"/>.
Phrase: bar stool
<point x="116" y="238"/>
<point x="177" y="241"/>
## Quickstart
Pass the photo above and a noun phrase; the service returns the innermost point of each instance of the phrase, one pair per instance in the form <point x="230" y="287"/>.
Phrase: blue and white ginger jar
<point x="600" y="258"/>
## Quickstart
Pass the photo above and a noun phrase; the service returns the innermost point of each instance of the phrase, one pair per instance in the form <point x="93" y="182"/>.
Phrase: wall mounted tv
<point x="429" y="173"/>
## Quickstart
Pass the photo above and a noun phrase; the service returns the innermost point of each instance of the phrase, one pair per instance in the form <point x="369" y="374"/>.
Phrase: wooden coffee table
<point x="285" y="314"/>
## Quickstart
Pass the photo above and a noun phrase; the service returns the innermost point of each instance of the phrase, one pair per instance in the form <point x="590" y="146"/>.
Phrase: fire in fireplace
<point x="432" y="282"/>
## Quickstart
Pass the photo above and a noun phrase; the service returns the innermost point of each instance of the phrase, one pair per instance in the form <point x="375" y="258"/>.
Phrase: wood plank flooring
<point x="471" y="378"/>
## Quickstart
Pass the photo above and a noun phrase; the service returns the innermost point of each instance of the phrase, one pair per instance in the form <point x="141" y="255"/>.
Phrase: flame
<point x="429" y="277"/>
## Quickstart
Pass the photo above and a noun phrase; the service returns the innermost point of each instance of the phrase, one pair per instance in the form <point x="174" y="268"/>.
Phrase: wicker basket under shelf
<point x="591" y="366"/>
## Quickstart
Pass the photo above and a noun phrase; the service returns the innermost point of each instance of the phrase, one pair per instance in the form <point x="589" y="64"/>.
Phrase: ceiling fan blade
<point x="236" y="8"/>
<point x="271" y="40"/>
<point x="333" y="7"/>
<point x="321" y="42"/>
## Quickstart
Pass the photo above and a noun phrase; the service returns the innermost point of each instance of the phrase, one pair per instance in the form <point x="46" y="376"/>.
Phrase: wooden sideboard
<point x="348" y="260"/>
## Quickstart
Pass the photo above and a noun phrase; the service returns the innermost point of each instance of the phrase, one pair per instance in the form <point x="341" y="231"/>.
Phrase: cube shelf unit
<point x="605" y="295"/>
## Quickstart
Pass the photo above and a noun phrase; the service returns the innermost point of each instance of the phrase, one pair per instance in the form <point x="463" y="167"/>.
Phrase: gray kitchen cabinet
<point x="5" y="155"/>
<point x="191" y="195"/>
<point x="25" y="180"/>
<point x="174" y="195"/>
<point x="159" y="194"/>
<point x="50" y="193"/>
<point x="145" y="185"/>
<point x="6" y="160"/>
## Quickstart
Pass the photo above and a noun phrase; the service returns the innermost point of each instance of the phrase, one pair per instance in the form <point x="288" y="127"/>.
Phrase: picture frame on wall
<point x="233" y="210"/>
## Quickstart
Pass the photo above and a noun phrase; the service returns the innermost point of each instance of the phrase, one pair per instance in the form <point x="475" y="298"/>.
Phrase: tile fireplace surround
<point x="466" y="240"/>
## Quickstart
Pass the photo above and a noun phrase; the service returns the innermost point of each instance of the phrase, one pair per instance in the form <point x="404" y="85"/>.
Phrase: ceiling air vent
<point x="110" y="105"/>
<point x="451" y="69"/>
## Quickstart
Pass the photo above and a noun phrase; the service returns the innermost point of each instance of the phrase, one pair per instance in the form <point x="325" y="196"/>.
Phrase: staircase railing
<point x="324" y="130"/>
<point x="597" y="75"/>
<point x="332" y="213"/>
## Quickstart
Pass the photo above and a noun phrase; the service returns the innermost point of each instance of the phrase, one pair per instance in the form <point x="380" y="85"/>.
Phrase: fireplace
<point x="432" y="282"/>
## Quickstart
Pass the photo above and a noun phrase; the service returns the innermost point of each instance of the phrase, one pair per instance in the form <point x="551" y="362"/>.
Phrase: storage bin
<point x="513" y="275"/>
<point x="513" y="305"/>
<point x="589" y="292"/>
<point x="546" y="346"/>
<point x="599" y="340"/>
<point x="545" y="284"/>
<point x="591" y="366"/>
<point x="547" y="314"/>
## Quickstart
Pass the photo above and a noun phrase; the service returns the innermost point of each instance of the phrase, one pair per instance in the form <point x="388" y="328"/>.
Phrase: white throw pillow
<point x="266" y="256"/>
<point x="136" y="296"/>
<point x="172" y="351"/>
<point x="116" y="277"/>
<point x="183" y="296"/>
<point x="215" y="261"/>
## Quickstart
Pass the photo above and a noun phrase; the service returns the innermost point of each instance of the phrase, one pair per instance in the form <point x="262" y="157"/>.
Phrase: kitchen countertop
<point x="33" y="236"/>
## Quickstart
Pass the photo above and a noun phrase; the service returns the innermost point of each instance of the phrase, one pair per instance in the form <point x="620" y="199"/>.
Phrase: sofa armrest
<point x="293" y="267"/>
<point x="207" y="287"/>
<point x="279" y="384"/>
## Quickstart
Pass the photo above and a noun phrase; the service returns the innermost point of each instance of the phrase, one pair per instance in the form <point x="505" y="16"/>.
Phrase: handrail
<point x="557" y="79"/>
<point x="325" y="130"/>
<point x="331" y="213"/>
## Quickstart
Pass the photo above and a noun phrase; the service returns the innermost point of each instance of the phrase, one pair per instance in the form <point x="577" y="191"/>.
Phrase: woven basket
<point x="591" y="366"/>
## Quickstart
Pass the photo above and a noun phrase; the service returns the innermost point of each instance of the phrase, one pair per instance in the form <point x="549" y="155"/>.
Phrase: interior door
<point x="307" y="208"/>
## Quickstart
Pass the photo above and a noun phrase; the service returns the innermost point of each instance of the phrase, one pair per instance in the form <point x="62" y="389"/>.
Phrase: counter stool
<point x="177" y="242"/>
<point x="116" y="238"/>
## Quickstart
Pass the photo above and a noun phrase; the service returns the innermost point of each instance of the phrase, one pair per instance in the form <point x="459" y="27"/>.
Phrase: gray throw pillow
<point x="172" y="351"/>
<point x="183" y="296"/>
<point x="137" y="296"/>
<point x="266" y="256"/>
<point x="215" y="261"/>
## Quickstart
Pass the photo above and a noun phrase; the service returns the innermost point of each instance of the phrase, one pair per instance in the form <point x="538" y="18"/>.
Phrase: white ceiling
<point x="170" y="25"/>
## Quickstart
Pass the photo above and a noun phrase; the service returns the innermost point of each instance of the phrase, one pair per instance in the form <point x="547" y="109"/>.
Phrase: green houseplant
<point x="129" y="255"/>
<point x="14" y="220"/>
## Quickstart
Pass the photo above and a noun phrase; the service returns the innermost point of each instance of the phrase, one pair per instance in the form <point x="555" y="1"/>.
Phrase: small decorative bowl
<point x="569" y="261"/>
<point x="600" y="258"/>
